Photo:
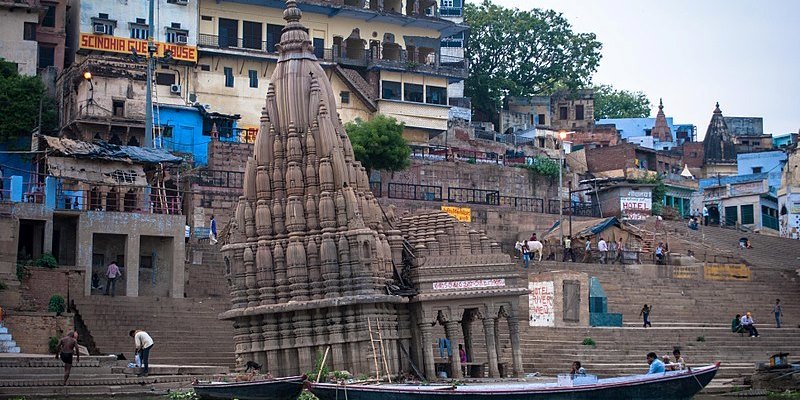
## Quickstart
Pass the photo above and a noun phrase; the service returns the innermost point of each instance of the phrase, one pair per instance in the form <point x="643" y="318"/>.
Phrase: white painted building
<point x="18" y="22"/>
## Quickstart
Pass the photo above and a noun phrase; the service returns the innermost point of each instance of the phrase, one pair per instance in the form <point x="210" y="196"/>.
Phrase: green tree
<point x="523" y="53"/>
<point x="20" y="100"/>
<point x="613" y="103"/>
<point x="379" y="143"/>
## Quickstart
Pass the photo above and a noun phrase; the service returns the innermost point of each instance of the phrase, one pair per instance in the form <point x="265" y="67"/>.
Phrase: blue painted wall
<point x="770" y="162"/>
<point x="187" y="132"/>
<point x="16" y="164"/>
<point x="631" y="127"/>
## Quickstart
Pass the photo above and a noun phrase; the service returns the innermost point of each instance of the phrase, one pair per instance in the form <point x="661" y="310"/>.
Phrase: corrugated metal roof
<point x="105" y="151"/>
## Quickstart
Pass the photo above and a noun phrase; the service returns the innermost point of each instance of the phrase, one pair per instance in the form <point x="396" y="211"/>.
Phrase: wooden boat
<point x="669" y="385"/>
<point x="272" y="389"/>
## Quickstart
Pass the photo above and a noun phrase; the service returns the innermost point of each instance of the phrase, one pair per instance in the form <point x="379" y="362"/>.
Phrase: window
<point x="165" y="79"/>
<point x="139" y="29"/>
<point x="206" y="18"/>
<point x="29" y="31"/>
<point x="47" y="56"/>
<point x="253" y="78"/>
<point x="166" y="131"/>
<point x="49" y="19"/>
<point x="319" y="48"/>
<point x="747" y="214"/>
<point x="118" y="107"/>
<point x="391" y="90"/>
<point x="563" y="113"/>
<point x="579" y="112"/>
<point x="273" y="37"/>
<point x="181" y="2"/>
<point x="251" y="35"/>
<point x="436" y="95"/>
<point x="447" y="3"/>
<point x="102" y="25"/>
<point x="345" y="96"/>
<point x="757" y="170"/>
<point x="205" y="67"/>
<point x="413" y="92"/>
<point x="541" y="119"/>
<point x="228" y="77"/>
<point x="228" y="32"/>
<point x="177" y="35"/>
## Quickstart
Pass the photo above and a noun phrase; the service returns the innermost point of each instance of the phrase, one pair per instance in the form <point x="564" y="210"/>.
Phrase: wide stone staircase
<point x="25" y="375"/>
<point x="185" y="331"/>
<point x="689" y="311"/>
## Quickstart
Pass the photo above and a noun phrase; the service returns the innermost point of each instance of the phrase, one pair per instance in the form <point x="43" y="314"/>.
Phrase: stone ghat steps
<point x="185" y="331"/>
<point x="143" y="388"/>
<point x="768" y="251"/>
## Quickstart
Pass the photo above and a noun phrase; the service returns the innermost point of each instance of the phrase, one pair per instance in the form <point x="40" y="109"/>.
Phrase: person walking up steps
<point x="67" y="346"/>
<point x="212" y="234"/>
<point x="645" y="314"/>
<point x="112" y="273"/>
<point x="778" y="311"/>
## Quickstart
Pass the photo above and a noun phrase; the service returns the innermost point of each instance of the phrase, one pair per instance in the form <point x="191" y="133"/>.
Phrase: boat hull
<point x="671" y="386"/>
<point x="274" y="389"/>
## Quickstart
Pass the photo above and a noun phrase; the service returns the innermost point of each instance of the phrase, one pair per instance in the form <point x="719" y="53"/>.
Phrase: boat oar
<point x="322" y="366"/>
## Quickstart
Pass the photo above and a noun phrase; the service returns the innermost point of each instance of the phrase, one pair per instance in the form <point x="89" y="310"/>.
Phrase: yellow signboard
<point x="115" y="44"/>
<point x="726" y="272"/>
<point x="463" y="214"/>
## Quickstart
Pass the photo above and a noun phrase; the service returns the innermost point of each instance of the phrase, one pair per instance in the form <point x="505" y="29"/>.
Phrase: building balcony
<point x="450" y="11"/>
<point x="391" y="58"/>
<point x="416" y="115"/>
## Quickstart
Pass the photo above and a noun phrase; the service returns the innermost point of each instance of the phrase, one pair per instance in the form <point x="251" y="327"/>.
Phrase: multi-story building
<point x="102" y="93"/>
<point x="380" y="56"/>
<point x="572" y="110"/>
<point x="51" y="35"/>
<point x="659" y="133"/>
<point x="748" y="134"/>
<point x="453" y="46"/>
<point x="19" y="21"/>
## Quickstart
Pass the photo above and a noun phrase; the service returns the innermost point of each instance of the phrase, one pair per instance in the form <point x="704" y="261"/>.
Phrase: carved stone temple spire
<point x="307" y="235"/>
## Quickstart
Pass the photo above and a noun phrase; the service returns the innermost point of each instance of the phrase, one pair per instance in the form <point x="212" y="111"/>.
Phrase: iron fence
<point x="217" y="178"/>
<point x="473" y="196"/>
<point x="529" y="204"/>
<point x="415" y="192"/>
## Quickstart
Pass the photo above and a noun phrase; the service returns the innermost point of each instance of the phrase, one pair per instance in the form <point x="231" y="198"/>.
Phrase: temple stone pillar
<point x="516" y="352"/>
<point x="466" y="328"/>
<point x="429" y="366"/>
<point x="451" y="330"/>
<point x="491" y="346"/>
<point x="498" y="347"/>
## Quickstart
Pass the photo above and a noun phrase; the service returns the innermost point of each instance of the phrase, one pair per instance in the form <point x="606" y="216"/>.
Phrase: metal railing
<point x="361" y="57"/>
<point x="582" y="209"/>
<point x="450" y="11"/>
<point x="217" y="178"/>
<point x="529" y="204"/>
<point x="415" y="192"/>
<point x="473" y="196"/>
<point x="768" y="221"/>
<point x="119" y="199"/>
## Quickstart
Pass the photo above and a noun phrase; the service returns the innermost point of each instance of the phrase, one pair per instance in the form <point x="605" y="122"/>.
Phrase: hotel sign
<point x="636" y="205"/>
<point x="541" y="303"/>
<point x="122" y="45"/>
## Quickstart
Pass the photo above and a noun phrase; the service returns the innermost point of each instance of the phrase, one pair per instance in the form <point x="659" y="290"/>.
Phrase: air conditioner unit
<point x="100" y="29"/>
<point x="182" y="2"/>
<point x="175" y="89"/>
<point x="192" y="97"/>
<point x="181" y="39"/>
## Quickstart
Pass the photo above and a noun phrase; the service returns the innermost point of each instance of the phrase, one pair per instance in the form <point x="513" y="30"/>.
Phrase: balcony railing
<point x="415" y="192"/>
<point x="397" y="58"/>
<point x="450" y="11"/>
<point x="119" y="200"/>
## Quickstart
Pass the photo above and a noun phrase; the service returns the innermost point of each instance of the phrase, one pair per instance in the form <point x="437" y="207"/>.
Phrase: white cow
<point x="534" y="246"/>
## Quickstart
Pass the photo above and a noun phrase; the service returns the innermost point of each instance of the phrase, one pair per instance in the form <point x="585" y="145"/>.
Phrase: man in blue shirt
<point x="656" y="365"/>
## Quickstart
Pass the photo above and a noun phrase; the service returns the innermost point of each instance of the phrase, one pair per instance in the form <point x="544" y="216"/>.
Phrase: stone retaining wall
<point x="32" y="330"/>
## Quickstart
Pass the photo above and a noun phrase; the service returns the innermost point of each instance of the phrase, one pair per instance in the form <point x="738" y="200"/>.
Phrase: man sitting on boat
<point x="577" y="370"/>
<point x="656" y="365"/>
<point x="677" y="363"/>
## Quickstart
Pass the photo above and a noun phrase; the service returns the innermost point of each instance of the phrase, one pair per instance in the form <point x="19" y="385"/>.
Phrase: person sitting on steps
<point x="749" y="325"/>
<point x="736" y="324"/>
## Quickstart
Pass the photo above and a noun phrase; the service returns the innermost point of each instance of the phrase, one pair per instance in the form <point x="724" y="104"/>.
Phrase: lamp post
<point x="151" y="52"/>
<point x="87" y="76"/>
<point x="562" y="135"/>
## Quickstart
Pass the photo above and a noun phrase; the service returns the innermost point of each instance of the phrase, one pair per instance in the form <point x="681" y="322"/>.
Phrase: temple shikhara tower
<point x="312" y="256"/>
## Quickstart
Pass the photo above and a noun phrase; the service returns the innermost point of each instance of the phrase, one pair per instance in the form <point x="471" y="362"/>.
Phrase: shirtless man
<point x="67" y="346"/>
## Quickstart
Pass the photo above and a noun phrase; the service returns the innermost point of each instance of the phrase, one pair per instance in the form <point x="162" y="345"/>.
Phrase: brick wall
<point x="227" y="156"/>
<point x="510" y="181"/>
<point x="32" y="330"/>
<point x="44" y="282"/>
<point x="610" y="158"/>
